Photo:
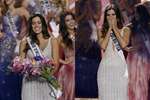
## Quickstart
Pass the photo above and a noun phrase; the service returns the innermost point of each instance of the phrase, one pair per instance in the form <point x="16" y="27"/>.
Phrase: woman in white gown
<point x="112" y="72"/>
<point x="34" y="88"/>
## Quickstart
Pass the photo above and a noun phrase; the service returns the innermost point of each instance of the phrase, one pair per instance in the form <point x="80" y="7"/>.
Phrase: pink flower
<point x="26" y="66"/>
<point x="35" y="71"/>
<point x="43" y="69"/>
<point x="17" y="65"/>
<point x="16" y="59"/>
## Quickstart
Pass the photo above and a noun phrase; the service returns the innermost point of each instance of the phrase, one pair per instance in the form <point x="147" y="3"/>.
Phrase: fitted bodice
<point x="46" y="52"/>
<point x="70" y="52"/>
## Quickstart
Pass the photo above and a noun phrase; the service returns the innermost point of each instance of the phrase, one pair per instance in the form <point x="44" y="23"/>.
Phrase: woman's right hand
<point x="66" y="61"/>
<point x="110" y="23"/>
<point x="109" y="31"/>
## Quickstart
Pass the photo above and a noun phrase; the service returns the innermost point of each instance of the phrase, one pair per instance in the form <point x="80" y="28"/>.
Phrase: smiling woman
<point x="48" y="47"/>
<point x="67" y="41"/>
<point x="36" y="25"/>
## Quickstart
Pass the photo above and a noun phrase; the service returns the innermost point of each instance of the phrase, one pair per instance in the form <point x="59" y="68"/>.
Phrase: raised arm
<point x="123" y="36"/>
<point x="24" y="15"/>
<point x="55" y="52"/>
<point x="22" y="48"/>
<point x="103" y="41"/>
<point x="24" y="12"/>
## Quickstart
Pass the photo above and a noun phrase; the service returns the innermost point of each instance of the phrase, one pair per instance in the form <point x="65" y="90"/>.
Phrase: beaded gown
<point x="10" y="83"/>
<point x="16" y="32"/>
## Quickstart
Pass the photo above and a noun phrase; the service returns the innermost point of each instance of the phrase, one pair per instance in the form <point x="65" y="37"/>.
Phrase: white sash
<point x="12" y="25"/>
<point x="35" y="50"/>
<point x="13" y="30"/>
<point x="120" y="52"/>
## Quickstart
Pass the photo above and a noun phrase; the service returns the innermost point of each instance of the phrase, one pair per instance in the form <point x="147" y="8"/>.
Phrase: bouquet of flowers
<point x="44" y="70"/>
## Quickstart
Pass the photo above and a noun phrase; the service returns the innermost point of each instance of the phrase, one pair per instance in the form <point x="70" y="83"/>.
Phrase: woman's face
<point x="70" y="22"/>
<point x="37" y="25"/>
<point x="8" y="2"/>
<point x="111" y="15"/>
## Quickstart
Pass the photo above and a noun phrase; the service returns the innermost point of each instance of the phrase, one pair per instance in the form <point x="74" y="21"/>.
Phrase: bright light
<point x="144" y="0"/>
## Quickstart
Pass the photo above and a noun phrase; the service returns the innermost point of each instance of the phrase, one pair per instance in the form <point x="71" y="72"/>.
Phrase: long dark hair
<point x="141" y="20"/>
<point x="143" y="15"/>
<point x="141" y="29"/>
<point x="32" y="34"/>
<point x="119" y="17"/>
<point x="63" y="30"/>
<point x="83" y="6"/>
<point x="83" y="40"/>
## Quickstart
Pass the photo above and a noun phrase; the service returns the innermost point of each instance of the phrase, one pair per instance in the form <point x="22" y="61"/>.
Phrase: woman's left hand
<point x="114" y="23"/>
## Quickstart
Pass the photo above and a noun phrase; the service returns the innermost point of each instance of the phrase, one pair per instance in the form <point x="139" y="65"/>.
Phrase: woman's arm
<point x="22" y="48"/>
<point x="62" y="47"/>
<point x="66" y="61"/>
<point x="55" y="53"/>
<point x="79" y="15"/>
<point x="21" y="11"/>
<point x="25" y="16"/>
<point x="123" y="39"/>
<point x="23" y="30"/>
<point x="24" y="12"/>
<point x="103" y="41"/>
